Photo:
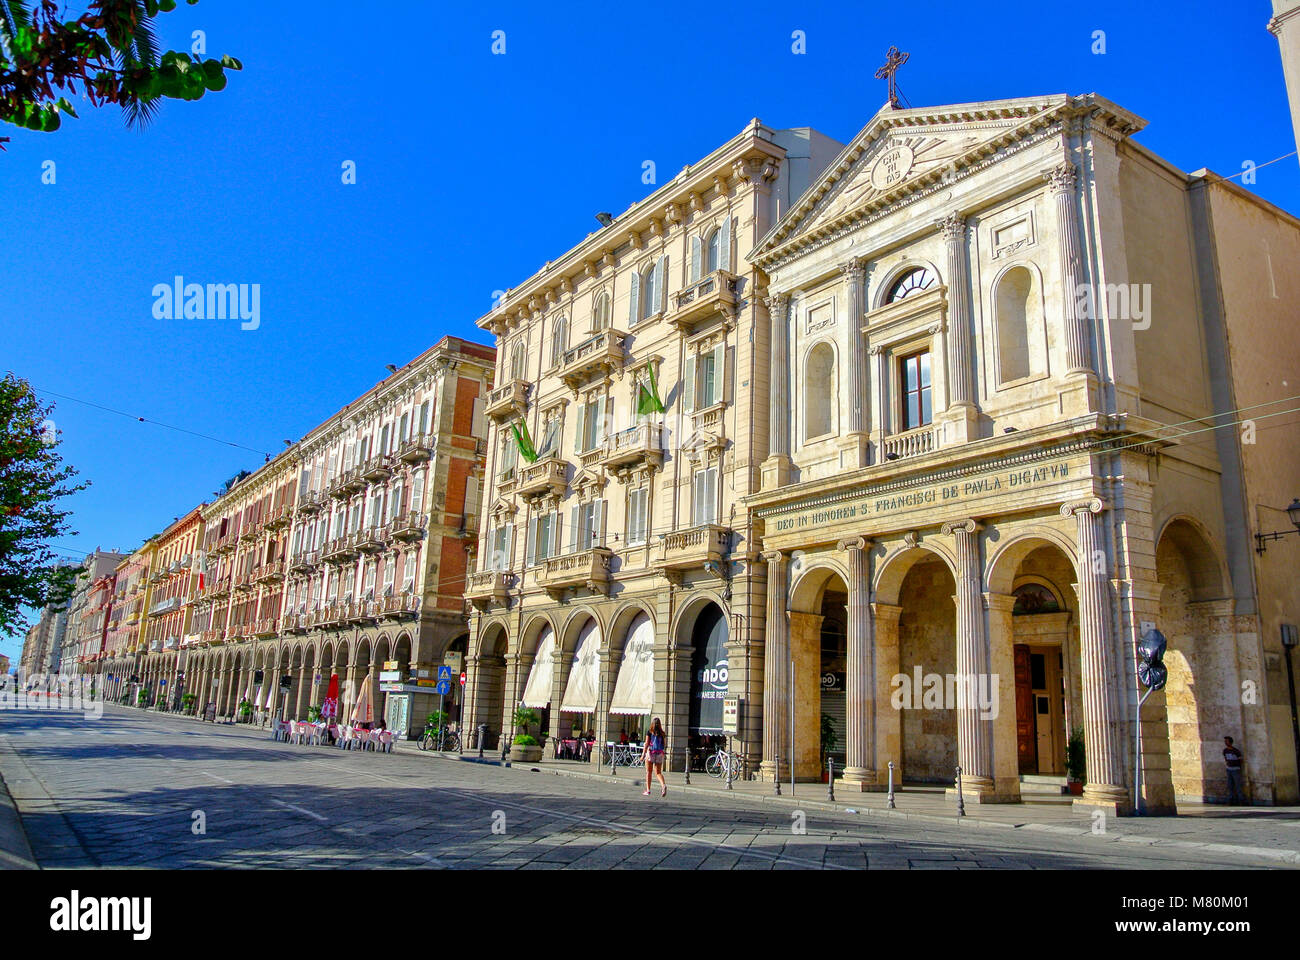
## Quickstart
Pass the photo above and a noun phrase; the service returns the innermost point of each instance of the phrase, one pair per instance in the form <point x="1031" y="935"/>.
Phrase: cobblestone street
<point x="131" y="790"/>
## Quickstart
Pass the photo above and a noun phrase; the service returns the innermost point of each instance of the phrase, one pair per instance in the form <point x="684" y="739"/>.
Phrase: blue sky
<point x="472" y="170"/>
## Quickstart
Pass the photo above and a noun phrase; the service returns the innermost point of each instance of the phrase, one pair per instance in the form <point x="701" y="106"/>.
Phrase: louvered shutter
<point x="634" y="299"/>
<point x="724" y="245"/>
<point x="577" y="434"/>
<point x="697" y="256"/>
<point x="597" y="525"/>
<point x="688" y="386"/>
<point x="719" y="374"/>
<point x="661" y="284"/>
<point x="530" y="546"/>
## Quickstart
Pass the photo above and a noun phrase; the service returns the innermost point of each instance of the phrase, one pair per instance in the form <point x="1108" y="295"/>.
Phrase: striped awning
<point x="634" y="691"/>
<point x="537" y="691"/>
<point x="584" y="673"/>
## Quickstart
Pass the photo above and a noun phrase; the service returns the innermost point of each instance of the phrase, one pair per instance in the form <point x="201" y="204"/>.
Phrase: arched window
<point x="517" y="361"/>
<point x="819" y="392"/>
<point x="713" y="252"/>
<point x="1014" y="299"/>
<point x="600" y="314"/>
<point x="559" y="341"/>
<point x="910" y="284"/>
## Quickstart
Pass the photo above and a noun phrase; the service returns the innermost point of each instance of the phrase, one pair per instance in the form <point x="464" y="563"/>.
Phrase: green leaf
<point x="166" y="6"/>
<point x="230" y="63"/>
<point x="67" y="107"/>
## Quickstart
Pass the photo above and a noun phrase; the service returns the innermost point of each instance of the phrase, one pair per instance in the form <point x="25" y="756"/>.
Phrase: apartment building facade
<point x="616" y="573"/>
<point x="173" y="580"/>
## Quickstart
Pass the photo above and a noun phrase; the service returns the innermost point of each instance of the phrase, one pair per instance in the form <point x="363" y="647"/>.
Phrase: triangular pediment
<point x="585" y="480"/>
<point x="900" y="151"/>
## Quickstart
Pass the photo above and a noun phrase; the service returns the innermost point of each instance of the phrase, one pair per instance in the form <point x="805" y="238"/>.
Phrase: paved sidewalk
<point x="15" y="852"/>
<point x="1270" y="833"/>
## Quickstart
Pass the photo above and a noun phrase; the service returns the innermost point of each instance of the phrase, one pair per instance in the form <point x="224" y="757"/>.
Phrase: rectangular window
<point x="586" y="525"/>
<point x="424" y="417"/>
<point x="501" y="538"/>
<point x="637" y="526"/>
<point x="706" y="496"/>
<point x="408" y="578"/>
<point x="916" y="390"/>
<point x="390" y="571"/>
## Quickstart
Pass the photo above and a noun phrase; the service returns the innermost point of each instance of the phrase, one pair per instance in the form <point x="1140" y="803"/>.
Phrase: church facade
<point x="1008" y="346"/>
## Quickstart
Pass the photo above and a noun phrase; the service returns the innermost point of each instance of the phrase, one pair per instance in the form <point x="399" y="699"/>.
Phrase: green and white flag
<point x="647" y="400"/>
<point x="523" y="441"/>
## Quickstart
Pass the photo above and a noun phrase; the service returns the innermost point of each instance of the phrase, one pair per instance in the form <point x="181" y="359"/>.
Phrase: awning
<point x="634" y="692"/>
<point x="584" y="673"/>
<point x="537" y="691"/>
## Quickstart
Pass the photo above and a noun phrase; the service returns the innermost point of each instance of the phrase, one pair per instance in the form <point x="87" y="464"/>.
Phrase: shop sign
<point x="731" y="715"/>
<point x="832" y="681"/>
<point x="389" y="675"/>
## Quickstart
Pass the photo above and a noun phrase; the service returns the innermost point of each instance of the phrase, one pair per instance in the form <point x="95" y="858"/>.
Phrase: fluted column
<point x="1102" y="751"/>
<point x="860" y="713"/>
<point x="856" y="374"/>
<point x="1078" y="355"/>
<point x="776" y="469"/>
<point x="961" y="385"/>
<point x="974" y="733"/>
<point x="776" y="666"/>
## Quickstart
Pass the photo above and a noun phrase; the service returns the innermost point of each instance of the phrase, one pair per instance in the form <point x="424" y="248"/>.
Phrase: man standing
<point x="1232" y="760"/>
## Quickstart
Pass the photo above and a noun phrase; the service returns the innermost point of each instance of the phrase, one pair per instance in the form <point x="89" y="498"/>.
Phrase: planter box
<point x="1076" y="788"/>
<point x="525" y="754"/>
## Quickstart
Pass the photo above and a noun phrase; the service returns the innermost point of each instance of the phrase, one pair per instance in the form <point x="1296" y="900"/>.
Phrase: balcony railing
<point x="695" y="547"/>
<point x="372" y="539"/>
<point x="339" y="550"/>
<point x="399" y="606"/>
<point x="279" y="517"/>
<point x="269" y="572"/>
<point x="304" y="562"/>
<point x="266" y="627"/>
<point x="251" y="532"/>
<point x="213" y="636"/>
<point x="596" y="356"/>
<point x="586" y="568"/>
<point x="165" y="606"/>
<point x="716" y="294"/>
<point x="346" y="484"/>
<point x="544" y="476"/>
<point x="488" y="587"/>
<point x="171" y="643"/>
<point x="507" y="401"/>
<point x="408" y="527"/>
<point x="416" y="449"/>
<point x="642" y="443"/>
<point x="310" y="501"/>
<point x="912" y="443"/>
<point x="377" y="469"/>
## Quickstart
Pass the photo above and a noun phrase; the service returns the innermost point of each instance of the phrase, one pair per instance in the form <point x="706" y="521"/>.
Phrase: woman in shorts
<point x="655" y="744"/>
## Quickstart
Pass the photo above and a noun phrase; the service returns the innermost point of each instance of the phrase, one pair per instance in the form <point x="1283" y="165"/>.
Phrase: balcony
<point x="242" y="581"/>
<point x="596" y="357"/>
<point x="377" y="469"/>
<point x="508" y="401"/>
<point x="269" y="572"/>
<point x="304" y="562"/>
<point x="296" y="623"/>
<point x="415" y="450"/>
<point x="695" y="547"/>
<point x="488" y="587"/>
<point x="215" y="637"/>
<point x="409" y="527"/>
<point x="218" y="588"/>
<point x="545" y="476"/>
<point x="251" y="532"/>
<point x="266" y="627"/>
<point x="372" y="539"/>
<point x="639" y="444"/>
<point x="310" y="502"/>
<point x="339" y="550"/>
<point x="223" y="545"/>
<point x="165" y="606"/>
<point x="345" y="484"/>
<point x="279" y="517"/>
<point x="363" y="611"/>
<point x="333" y="615"/>
<point x="171" y="643"/>
<point x="587" y="568"/>
<point x="716" y="295"/>
<point x="399" y="606"/>
<point x="912" y="443"/>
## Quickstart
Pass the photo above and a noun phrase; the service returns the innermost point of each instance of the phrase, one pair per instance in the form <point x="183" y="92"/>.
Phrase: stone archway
<point x="818" y="651"/>
<point x="487" y="682"/>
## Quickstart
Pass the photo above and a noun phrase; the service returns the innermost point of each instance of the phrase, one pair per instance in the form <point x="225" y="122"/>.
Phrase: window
<point x="559" y="341"/>
<point x="390" y="571"/>
<point x="502" y="539"/>
<point x="395" y="502"/>
<point x="408" y="576"/>
<point x="509" y="455"/>
<point x="637" y="525"/>
<point x="706" y="497"/>
<point x="587" y="519"/>
<point x="517" y="360"/>
<point x="369" y="585"/>
<point x="543" y="537"/>
<point x="376" y="508"/>
<point x="591" y="425"/>
<point x="910" y="284"/>
<point x="425" y="410"/>
<point x="711" y="254"/>
<point x="916" y="390"/>
<point x="417" y="494"/>
<point x="404" y="429"/>
<point x="819" y="391"/>
<point x="600" y="314"/>
<point x="648" y="291"/>
<point x="552" y="432"/>
<point x="385" y="439"/>
<point x="1014" y="298"/>
<point x="704" y="372"/>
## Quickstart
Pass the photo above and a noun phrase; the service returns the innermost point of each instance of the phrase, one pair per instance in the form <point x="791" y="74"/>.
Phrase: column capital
<point x="886" y="612"/>
<point x="776" y="302"/>
<point x="966" y="526"/>
<point x="773" y="556"/>
<point x="855" y="543"/>
<point x="952" y="226"/>
<point x="1073" y="507"/>
<point x="853" y="269"/>
<point x="1062" y="178"/>
<point x="999" y="601"/>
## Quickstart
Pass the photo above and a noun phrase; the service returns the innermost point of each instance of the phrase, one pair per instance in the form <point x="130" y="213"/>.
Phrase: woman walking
<point x="654" y="757"/>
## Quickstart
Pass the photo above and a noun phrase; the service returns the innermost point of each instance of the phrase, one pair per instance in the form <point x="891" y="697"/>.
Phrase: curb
<point x="15" y="851"/>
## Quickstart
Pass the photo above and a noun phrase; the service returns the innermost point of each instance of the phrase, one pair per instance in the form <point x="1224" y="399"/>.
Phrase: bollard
<point x="688" y="764"/>
<point x="776" y="772"/>
<point x="830" y="780"/>
<point x="505" y="746"/>
<point x="961" y="804"/>
<point x="891" y="784"/>
<point x="482" y="734"/>
<point x="613" y="761"/>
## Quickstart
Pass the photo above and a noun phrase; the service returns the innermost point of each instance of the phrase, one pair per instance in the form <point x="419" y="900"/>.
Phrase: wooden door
<point x="1026" y="740"/>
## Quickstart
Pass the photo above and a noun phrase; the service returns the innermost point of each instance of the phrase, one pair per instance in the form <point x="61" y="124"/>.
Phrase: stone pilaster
<point x="889" y="721"/>
<point x="853" y="445"/>
<point x="1002" y="685"/>
<point x="1101" y="726"/>
<point x="1078" y="353"/>
<point x="776" y="666"/>
<point x="860" y="693"/>
<point x="959" y="422"/>
<point x="776" y="468"/>
<point x="974" y="731"/>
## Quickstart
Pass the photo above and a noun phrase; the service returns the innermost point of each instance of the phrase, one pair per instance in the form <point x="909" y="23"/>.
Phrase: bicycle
<point x="723" y="762"/>
<point x="450" y="740"/>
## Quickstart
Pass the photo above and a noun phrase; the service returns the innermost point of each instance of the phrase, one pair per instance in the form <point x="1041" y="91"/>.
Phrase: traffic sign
<point x="443" y="687"/>
<point x="462" y="678"/>
<point x="444" y="673"/>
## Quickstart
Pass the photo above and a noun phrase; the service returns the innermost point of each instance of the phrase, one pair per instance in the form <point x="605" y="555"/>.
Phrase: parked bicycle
<point x="444" y="739"/>
<point x="721" y="763"/>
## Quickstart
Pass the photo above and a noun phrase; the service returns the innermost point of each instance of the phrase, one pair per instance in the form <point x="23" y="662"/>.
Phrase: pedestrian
<point x="1232" y="758"/>
<point x="654" y="758"/>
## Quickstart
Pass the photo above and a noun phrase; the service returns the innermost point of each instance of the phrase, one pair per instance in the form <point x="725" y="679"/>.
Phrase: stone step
<point x="1042" y="784"/>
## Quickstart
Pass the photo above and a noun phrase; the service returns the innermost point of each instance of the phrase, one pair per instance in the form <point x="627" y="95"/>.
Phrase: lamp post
<point x="1289" y="640"/>
<point x="1293" y="513"/>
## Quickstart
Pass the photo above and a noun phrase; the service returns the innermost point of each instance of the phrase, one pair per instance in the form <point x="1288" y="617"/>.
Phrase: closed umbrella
<point x="330" y="707"/>
<point x="361" y="711"/>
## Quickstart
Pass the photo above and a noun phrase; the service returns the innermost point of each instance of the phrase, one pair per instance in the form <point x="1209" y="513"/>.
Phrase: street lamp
<point x="1290" y="636"/>
<point x="1293" y="513"/>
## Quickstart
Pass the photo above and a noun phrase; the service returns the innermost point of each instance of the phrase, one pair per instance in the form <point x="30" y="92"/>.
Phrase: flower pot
<point x="1075" y="787"/>
<point x="525" y="754"/>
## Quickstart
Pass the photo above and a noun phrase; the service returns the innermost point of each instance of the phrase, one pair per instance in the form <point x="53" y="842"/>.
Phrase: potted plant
<point x="313" y="714"/>
<point x="142" y="698"/>
<point x="245" y="710"/>
<point x="187" y="702"/>
<point x="1075" y="765"/>
<point x="830" y="740"/>
<point x="526" y="748"/>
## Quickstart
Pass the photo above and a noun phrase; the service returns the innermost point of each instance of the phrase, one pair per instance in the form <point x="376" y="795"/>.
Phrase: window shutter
<point x="598" y="525"/>
<point x="634" y="299"/>
<point x="724" y="245"/>
<point x="417" y="494"/>
<point x="508" y="546"/>
<point x="478" y="427"/>
<point x="697" y="255"/>
<point x="719" y="368"/>
<point x="711" y="478"/>
<point x="661" y="285"/>
<point x="471" y="500"/>
<point x="688" y="386"/>
<point x="578" y="433"/>
<point x="530" y="545"/>
<point x="556" y="541"/>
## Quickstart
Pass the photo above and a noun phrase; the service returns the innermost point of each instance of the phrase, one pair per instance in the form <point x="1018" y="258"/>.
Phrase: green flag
<point x="524" y="442"/>
<point x="648" y="396"/>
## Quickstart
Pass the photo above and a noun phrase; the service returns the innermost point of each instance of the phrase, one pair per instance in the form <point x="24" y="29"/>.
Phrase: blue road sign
<point x="444" y="673"/>
<point x="443" y="687"/>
